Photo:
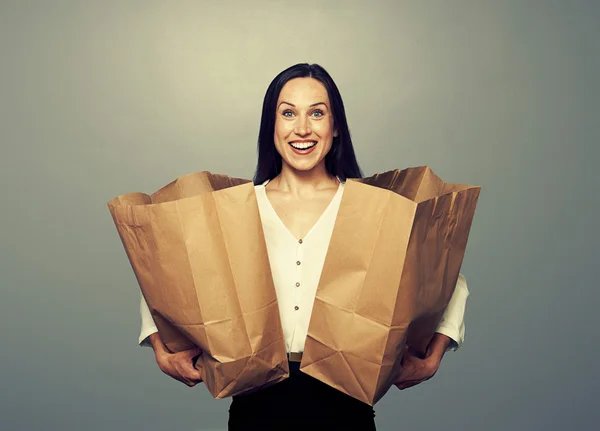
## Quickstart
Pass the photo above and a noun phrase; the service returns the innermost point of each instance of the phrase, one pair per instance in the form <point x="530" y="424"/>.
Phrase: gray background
<point x="103" y="98"/>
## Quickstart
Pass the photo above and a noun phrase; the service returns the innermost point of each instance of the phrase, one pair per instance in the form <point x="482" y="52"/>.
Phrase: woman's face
<point x="304" y="129"/>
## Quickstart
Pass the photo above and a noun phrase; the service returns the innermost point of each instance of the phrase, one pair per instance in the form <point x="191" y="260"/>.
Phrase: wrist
<point x="157" y="344"/>
<point x="439" y="344"/>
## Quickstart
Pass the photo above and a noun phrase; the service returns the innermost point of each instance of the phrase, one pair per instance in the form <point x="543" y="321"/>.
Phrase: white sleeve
<point x="148" y="326"/>
<point x="453" y="323"/>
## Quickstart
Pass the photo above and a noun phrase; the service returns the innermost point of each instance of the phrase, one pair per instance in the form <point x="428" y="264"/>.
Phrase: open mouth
<point x="303" y="146"/>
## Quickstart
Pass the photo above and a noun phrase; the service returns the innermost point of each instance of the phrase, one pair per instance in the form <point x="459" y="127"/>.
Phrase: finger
<point x="429" y="351"/>
<point x="408" y="365"/>
<point x="401" y="385"/>
<point x="194" y="375"/>
<point x="406" y="385"/>
<point x="405" y="378"/>
<point x="182" y="379"/>
<point x="189" y="381"/>
<point x="191" y="372"/>
<point x="195" y="362"/>
<point x="409" y="355"/>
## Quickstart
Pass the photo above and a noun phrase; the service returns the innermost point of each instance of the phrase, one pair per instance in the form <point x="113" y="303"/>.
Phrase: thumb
<point x="193" y="371"/>
<point x="429" y="350"/>
<point x="194" y="359"/>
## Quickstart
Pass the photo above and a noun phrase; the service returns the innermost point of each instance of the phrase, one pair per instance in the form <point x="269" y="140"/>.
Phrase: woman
<point x="305" y="155"/>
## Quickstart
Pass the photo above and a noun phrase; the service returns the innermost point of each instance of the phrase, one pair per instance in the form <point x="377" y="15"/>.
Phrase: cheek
<point x="324" y="128"/>
<point x="282" y="129"/>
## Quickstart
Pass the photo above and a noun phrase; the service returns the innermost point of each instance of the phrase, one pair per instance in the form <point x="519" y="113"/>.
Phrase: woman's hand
<point x="416" y="370"/>
<point x="180" y="365"/>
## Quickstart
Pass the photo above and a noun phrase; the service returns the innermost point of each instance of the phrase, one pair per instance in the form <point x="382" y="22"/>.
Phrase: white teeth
<point x="302" y="145"/>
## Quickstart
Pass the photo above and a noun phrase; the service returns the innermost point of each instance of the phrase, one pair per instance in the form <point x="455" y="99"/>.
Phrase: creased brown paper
<point x="390" y="271"/>
<point x="198" y="251"/>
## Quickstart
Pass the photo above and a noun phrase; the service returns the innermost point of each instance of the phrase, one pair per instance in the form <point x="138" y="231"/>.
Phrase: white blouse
<point x="296" y="266"/>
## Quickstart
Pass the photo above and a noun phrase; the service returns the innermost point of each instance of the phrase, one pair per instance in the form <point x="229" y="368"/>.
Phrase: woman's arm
<point x="148" y="326"/>
<point x="450" y="334"/>
<point x="180" y="365"/>
<point x="453" y="324"/>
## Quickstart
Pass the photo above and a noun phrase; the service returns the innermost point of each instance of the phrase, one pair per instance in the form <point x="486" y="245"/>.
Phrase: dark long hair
<point x="340" y="161"/>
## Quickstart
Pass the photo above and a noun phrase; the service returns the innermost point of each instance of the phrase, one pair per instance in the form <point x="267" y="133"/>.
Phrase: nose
<point x="302" y="127"/>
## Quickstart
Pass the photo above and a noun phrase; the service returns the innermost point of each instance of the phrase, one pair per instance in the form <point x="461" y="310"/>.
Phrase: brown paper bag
<point x="198" y="251"/>
<point x="391" y="268"/>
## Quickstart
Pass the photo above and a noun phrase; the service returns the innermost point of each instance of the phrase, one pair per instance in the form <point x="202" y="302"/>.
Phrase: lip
<point x="303" y="152"/>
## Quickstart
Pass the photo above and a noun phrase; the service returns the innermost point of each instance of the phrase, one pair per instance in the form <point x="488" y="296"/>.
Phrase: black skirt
<point x="300" y="402"/>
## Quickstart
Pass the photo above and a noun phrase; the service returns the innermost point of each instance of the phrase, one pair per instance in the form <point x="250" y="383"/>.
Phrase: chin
<point x="303" y="167"/>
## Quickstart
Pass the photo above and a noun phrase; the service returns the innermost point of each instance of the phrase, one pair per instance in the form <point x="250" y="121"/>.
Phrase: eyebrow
<point x="291" y="104"/>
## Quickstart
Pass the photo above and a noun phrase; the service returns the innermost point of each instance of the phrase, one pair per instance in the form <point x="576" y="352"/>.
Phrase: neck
<point x="299" y="183"/>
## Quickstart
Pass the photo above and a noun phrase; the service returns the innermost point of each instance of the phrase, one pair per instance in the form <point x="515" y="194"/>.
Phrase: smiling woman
<point x="305" y="155"/>
<point x="303" y="125"/>
<point x="303" y="106"/>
